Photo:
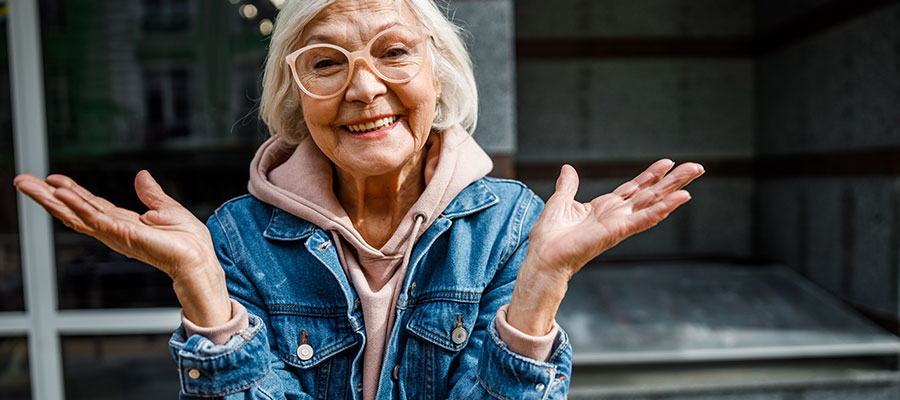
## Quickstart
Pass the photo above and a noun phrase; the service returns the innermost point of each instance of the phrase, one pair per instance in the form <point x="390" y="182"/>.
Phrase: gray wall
<point x="608" y="110"/>
<point x="819" y="92"/>
<point x="835" y="92"/>
<point x="491" y="22"/>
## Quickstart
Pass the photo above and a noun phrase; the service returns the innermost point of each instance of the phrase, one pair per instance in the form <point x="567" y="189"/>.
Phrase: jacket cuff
<point x="222" y="333"/>
<point x="536" y="347"/>
<point x="206" y="369"/>
<point x="507" y="374"/>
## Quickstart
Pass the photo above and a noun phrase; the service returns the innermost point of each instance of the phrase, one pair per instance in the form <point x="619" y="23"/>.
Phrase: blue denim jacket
<point x="286" y="272"/>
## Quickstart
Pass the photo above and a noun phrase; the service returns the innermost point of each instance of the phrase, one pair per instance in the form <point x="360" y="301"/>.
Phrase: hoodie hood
<point x="299" y="180"/>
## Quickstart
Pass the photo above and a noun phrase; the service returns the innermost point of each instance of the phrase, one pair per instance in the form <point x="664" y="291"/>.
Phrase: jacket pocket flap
<point x="447" y="324"/>
<point x="324" y="337"/>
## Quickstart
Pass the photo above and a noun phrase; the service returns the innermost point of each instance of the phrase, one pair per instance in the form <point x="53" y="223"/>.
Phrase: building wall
<point x="829" y="100"/>
<point x="605" y="110"/>
<point x="491" y="22"/>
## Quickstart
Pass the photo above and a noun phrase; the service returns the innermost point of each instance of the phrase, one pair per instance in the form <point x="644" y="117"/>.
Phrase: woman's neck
<point x="377" y="204"/>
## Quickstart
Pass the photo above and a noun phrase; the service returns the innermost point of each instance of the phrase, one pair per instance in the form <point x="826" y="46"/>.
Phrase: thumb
<point x="566" y="184"/>
<point x="150" y="193"/>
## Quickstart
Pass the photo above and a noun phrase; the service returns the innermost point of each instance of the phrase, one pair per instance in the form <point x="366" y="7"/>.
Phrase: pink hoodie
<point x="298" y="179"/>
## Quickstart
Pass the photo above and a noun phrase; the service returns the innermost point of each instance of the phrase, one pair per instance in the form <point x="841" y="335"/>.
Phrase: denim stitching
<point x="341" y="344"/>
<point x="435" y="338"/>
<point x="559" y="351"/>
<point x="488" y="389"/>
<point x="219" y="394"/>
<point x="471" y="297"/>
<point x="191" y="357"/>
<point x="311" y="311"/>
<point x="494" y="200"/>
<point x="226" y="233"/>
<point x="492" y="330"/>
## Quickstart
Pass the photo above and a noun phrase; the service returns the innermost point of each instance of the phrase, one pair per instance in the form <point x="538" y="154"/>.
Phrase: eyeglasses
<point x="324" y="70"/>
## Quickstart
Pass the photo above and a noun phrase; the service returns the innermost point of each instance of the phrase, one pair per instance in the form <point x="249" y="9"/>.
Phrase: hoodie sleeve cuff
<point x="220" y="334"/>
<point x="523" y="344"/>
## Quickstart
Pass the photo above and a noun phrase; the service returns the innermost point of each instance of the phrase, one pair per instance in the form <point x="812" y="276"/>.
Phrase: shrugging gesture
<point x="167" y="236"/>
<point x="569" y="233"/>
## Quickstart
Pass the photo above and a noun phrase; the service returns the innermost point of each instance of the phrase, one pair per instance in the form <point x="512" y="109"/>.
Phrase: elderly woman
<point x="372" y="257"/>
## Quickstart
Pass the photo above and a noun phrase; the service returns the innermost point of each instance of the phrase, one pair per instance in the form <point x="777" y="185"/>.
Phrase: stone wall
<point x="603" y="110"/>
<point x="831" y="100"/>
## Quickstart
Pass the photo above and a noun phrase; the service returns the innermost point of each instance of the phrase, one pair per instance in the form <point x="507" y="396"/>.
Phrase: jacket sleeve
<point x="488" y="368"/>
<point x="245" y="367"/>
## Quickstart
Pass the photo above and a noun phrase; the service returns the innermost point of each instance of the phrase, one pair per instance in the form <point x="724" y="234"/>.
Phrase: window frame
<point x="42" y="322"/>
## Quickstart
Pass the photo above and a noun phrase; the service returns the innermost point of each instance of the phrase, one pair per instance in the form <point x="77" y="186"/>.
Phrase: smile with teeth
<point x="372" y="125"/>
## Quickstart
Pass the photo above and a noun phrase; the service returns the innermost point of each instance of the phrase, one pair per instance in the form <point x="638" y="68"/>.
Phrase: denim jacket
<point x="306" y="331"/>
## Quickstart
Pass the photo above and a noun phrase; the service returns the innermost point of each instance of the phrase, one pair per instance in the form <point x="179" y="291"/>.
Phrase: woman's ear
<point x="437" y="87"/>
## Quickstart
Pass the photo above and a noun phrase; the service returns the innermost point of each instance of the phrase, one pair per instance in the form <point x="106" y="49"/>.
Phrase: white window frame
<point x="42" y="322"/>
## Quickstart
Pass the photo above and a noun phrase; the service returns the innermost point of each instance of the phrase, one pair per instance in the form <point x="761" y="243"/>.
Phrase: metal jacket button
<point x="459" y="333"/>
<point x="304" y="351"/>
<point x="194" y="374"/>
<point x="395" y="373"/>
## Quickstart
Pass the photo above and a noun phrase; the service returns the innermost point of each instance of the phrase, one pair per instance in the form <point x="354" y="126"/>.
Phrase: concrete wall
<point x="490" y="24"/>
<point x="837" y="91"/>
<point x="609" y="110"/>
<point x="634" y="18"/>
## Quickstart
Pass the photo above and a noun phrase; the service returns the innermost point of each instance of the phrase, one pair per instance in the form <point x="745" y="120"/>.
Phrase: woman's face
<point x="408" y="107"/>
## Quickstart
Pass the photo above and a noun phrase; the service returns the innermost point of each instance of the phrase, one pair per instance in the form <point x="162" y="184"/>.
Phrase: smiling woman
<point x="372" y="258"/>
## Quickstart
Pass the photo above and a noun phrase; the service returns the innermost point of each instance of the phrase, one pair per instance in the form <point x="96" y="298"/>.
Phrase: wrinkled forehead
<point x="352" y="23"/>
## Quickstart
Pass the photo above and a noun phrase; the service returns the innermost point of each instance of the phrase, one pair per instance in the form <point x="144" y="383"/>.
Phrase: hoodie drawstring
<point x="420" y="220"/>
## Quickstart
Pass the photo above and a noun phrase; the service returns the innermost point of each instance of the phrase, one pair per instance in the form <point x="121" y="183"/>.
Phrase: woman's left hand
<point x="569" y="233"/>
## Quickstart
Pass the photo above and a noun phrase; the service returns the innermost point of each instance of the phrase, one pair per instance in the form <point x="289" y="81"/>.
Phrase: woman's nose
<point x="364" y="85"/>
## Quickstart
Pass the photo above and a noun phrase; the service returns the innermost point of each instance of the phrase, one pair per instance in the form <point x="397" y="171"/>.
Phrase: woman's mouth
<point x="372" y="126"/>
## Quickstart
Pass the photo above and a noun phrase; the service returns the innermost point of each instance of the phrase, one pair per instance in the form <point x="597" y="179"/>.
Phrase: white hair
<point x="280" y="106"/>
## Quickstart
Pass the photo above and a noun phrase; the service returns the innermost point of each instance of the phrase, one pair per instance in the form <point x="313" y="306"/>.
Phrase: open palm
<point x="569" y="233"/>
<point x="167" y="236"/>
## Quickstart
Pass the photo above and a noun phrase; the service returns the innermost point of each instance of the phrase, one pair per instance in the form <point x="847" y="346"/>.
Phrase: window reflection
<point x="11" y="295"/>
<point x="118" y="367"/>
<point x="168" y="86"/>
<point x="15" y="382"/>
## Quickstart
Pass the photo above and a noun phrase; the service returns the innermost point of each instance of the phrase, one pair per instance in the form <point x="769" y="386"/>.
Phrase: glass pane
<point x="168" y="86"/>
<point x="118" y="367"/>
<point x="15" y="383"/>
<point x="11" y="296"/>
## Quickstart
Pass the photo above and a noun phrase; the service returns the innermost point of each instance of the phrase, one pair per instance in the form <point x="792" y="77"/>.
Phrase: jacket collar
<point x="474" y="198"/>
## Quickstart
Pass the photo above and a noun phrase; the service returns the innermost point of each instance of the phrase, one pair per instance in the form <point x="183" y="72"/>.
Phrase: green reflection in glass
<point x="15" y="383"/>
<point x="11" y="294"/>
<point x="135" y="367"/>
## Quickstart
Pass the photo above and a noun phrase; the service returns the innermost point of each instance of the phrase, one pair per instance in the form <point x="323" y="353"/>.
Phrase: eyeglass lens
<point x="396" y="54"/>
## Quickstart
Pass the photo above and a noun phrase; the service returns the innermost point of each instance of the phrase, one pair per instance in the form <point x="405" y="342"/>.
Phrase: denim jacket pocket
<point x="439" y="329"/>
<point x="447" y="321"/>
<point x="307" y="336"/>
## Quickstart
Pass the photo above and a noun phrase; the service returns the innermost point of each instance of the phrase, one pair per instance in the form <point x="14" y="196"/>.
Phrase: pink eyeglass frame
<point x="363" y="54"/>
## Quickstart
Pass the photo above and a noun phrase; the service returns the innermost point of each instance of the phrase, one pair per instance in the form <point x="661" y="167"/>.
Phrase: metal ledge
<point x="619" y="314"/>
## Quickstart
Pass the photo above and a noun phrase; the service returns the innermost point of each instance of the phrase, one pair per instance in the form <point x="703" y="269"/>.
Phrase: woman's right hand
<point x="167" y="236"/>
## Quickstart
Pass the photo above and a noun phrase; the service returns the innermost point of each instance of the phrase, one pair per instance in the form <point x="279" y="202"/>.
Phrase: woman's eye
<point x="395" y="52"/>
<point x="324" y="63"/>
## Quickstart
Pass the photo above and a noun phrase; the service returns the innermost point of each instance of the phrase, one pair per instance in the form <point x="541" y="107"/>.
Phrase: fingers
<point x="150" y="193"/>
<point x="650" y="216"/>
<point x="566" y="184"/>
<point x="62" y="181"/>
<point x="91" y="218"/>
<point x="647" y="178"/>
<point x="45" y="195"/>
<point x="674" y="181"/>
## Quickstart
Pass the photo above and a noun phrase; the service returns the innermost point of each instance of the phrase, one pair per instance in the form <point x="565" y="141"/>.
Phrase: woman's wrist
<point x="204" y="296"/>
<point x="536" y="298"/>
